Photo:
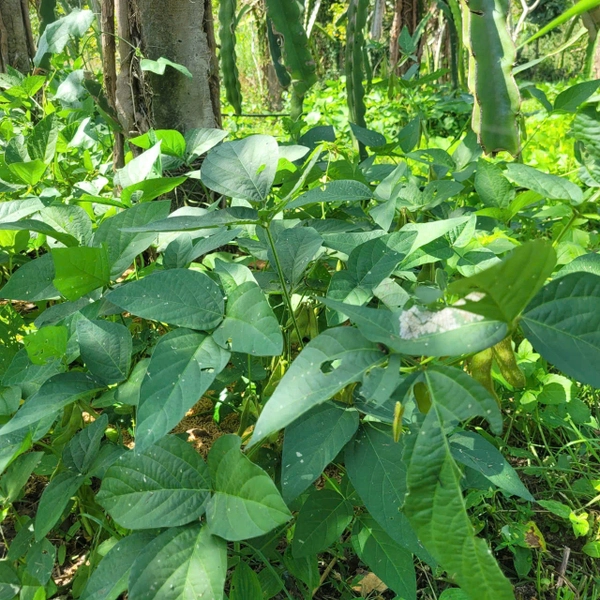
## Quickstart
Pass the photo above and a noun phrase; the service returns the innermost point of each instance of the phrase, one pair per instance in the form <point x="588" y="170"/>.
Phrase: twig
<point x="325" y="574"/>
<point x="563" y="567"/>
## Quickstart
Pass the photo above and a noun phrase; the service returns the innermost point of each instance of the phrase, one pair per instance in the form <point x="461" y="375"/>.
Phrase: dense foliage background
<point x="346" y="345"/>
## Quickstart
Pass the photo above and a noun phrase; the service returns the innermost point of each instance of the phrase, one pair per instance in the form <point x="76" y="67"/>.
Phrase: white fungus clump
<point x="416" y="323"/>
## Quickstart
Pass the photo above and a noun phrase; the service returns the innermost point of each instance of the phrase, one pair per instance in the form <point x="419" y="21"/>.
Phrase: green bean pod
<point x="275" y="50"/>
<point x="231" y="78"/>
<point x="507" y="363"/>
<point x="480" y="367"/>
<point x="355" y="43"/>
<point x="287" y="24"/>
<point x="492" y="54"/>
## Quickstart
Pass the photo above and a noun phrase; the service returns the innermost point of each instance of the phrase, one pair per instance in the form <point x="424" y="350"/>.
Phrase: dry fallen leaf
<point x="370" y="583"/>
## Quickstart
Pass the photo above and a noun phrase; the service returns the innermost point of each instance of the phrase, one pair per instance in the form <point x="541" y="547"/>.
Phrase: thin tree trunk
<point x="17" y="46"/>
<point x="180" y="31"/>
<point x="395" y="34"/>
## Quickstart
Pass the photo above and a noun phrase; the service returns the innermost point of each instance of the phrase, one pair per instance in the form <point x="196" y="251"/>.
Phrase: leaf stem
<point x="565" y="229"/>
<point x="286" y="294"/>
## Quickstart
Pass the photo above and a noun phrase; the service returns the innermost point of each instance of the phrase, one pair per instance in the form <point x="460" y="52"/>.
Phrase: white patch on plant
<point x="416" y="323"/>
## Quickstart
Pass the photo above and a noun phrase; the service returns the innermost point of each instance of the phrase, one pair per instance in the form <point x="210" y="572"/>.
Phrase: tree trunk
<point x="182" y="32"/>
<point x="406" y="13"/>
<point x="17" y="47"/>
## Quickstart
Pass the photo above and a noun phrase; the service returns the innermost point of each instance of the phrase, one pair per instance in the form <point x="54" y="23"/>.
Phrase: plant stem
<point x="286" y="294"/>
<point x="565" y="229"/>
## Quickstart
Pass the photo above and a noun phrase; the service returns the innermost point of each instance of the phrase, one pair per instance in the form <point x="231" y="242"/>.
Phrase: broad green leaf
<point x="57" y="34"/>
<point x="147" y="190"/>
<point x="180" y="564"/>
<point x="83" y="448"/>
<point x="200" y="141"/>
<point x="32" y="281"/>
<point x="321" y="521"/>
<point x="476" y="452"/>
<point x="368" y="137"/>
<point x="46" y="344"/>
<point x="588" y="263"/>
<point x="109" y="580"/>
<point x="296" y="248"/>
<point x="13" y="210"/>
<point x="29" y="172"/>
<point x="221" y="237"/>
<point x="41" y="142"/>
<point x="311" y="443"/>
<point x="176" y="296"/>
<point x="17" y="475"/>
<point x="434" y="504"/>
<point x="71" y="219"/>
<point x="491" y="185"/>
<point x="10" y="584"/>
<point x="410" y="134"/>
<point x="176" y="253"/>
<point x="53" y="395"/>
<point x="159" y="66"/>
<point x="232" y="275"/>
<point x="243" y="168"/>
<point x="183" y="365"/>
<point x="106" y="349"/>
<point x="449" y="331"/>
<point x="140" y="168"/>
<point x="216" y="218"/>
<point x="563" y="324"/>
<point x="54" y="501"/>
<point x="250" y="326"/>
<point x="39" y="563"/>
<point x="330" y="362"/>
<point x="549" y="186"/>
<point x="129" y="392"/>
<point x="245" y="502"/>
<point x="172" y="142"/>
<point x="245" y="583"/>
<point x="573" y="97"/>
<point x="122" y="246"/>
<point x="80" y="270"/>
<point x="392" y="563"/>
<point x="335" y="191"/>
<point x="507" y="288"/>
<point x="40" y="227"/>
<point x="165" y="486"/>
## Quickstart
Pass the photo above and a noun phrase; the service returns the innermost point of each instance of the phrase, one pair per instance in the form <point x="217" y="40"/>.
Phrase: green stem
<point x="286" y="294"/>
<point x="565" y="229"/>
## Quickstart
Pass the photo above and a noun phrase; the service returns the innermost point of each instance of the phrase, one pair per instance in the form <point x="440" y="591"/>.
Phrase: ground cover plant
<point x="357" y="358"/>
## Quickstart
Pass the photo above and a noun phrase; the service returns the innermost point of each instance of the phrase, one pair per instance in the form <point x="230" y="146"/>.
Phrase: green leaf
<point x="341" y="190"/>
<point x="32" y="281"/>
<point x="434" y="504"/>
<point x="563" y="324"/>
<point x="180" y="564"/>
<point x="54" y="501"/>
<point x="321" y="521"/>
<point x="159" y="66"/>
<point x="295" y="248"/>
<point x="330" y="362"/>
<point x="245" y="502"/>
<point x="84" y="446"/>
<point x="10" y="583"/>
<point x="588" y="263"/>
<point x="122" y="246"/>
<point x="392" y="563"/>
<point x="177" y="296"/>
<point x="173" y="142"/>
<point x="140" y="168"/>
<point x="549" y="186"/>
<point x="53" y="395"/>
<point x="109" y="579"/>
<point x="422" y="332"/>
<point x="17" y="475"/>
<point x="41" y="142"/>
<point x="80" y="270"/>
<point x="410" y="134"/>
<point x="106" y="349"/>
<point x="144" y="191"/>
<point x="57" y="35"/>
<point x="165" y="486"/>
<point x="243" y="168"/>
<point x="592" y="549"/>
<point x="508" y="287"/>
<point x="183" y="366"/>
<point x="40" y="227"/>
<point x="29" y="172"/>
<point x="245" y="584"/>
<point x="200" y="141"/>
<point x="476" y="452"/>
<point x="71" y="219"/>
<point x="491" y="185"/>
<point x="371" y="139"/>
<point x="573" y="97"/>
<point x="47" y="344"/>
<point x="311" y="443"/>
<point x="250" y="326"/>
